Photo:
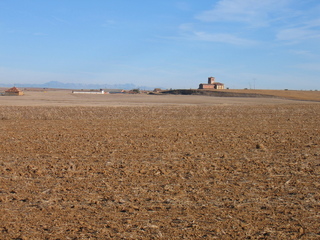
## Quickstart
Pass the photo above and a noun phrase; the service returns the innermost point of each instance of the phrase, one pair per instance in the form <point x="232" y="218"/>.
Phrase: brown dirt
<point x="246" y="171"/>
<point x="66" y="98"/>
<point x="289" y="94"/>
<point x="251" y="93"/>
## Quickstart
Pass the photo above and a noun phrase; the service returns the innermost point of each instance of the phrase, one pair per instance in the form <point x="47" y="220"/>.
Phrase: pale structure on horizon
<point x="212" y="84"/>
<point x="101" y="91"/>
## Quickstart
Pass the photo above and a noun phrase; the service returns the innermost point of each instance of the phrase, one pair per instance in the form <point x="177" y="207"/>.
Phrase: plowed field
<point x="160" y="172"/>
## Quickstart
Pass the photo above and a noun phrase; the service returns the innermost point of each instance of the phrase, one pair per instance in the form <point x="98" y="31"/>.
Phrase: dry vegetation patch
<point x="313" y="96"/>
<point x="160" y="172"/>
<point x="289" y="94"/>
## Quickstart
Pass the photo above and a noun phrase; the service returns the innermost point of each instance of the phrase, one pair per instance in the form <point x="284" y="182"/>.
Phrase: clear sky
<point x="269" y="44"/>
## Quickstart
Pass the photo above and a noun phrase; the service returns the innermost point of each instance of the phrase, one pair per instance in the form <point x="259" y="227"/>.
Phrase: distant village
<point x="211" y="84"/>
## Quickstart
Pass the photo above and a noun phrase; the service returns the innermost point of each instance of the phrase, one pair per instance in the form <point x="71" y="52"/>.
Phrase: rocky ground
<point x="160" y="172"/>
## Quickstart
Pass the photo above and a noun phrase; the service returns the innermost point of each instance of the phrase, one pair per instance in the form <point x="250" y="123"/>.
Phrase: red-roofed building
<point x="13" y="92"/>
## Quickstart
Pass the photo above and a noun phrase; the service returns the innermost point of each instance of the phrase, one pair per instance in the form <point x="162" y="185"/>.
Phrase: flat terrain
<point x="51" y="97"/>
<point x="288" y="94"/>
<point x="158" y="167"/>
<point x="250" y="93"/>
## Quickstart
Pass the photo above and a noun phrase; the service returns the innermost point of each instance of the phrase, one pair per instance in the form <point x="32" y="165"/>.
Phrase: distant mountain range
<point x="56" y="84"/>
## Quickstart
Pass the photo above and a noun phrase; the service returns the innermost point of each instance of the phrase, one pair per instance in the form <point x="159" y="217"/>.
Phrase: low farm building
<point x="101" y="91"/>
<point x="13" y="92"/>
<point x="212" y="84"/>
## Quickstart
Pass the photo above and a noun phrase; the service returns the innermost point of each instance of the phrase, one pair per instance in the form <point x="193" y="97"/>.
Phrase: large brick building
<point x="212" y="84"/>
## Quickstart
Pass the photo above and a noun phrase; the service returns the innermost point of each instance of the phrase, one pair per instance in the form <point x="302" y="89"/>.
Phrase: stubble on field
<point x="160" y="172"/>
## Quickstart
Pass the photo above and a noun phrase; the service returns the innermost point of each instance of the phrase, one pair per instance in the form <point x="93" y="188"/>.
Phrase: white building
<point x="101" y="91"/>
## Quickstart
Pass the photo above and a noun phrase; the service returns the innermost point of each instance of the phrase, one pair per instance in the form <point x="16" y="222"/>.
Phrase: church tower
<point x="211" y="80"/>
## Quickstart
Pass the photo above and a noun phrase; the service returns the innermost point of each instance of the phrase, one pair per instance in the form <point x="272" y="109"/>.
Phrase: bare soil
<point x="288" y="94"/>
<point x="56" y="97"/>
<point x="251" y="93"/>
<point x="170" y="168"/>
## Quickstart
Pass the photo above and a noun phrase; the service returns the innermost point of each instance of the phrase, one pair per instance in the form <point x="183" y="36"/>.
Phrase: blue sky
<point x="269" y="44"/>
